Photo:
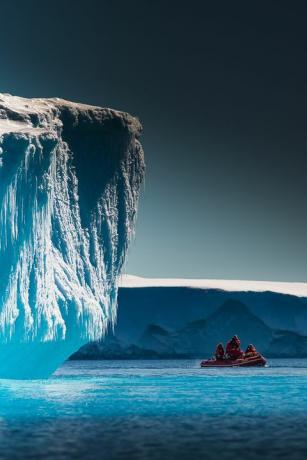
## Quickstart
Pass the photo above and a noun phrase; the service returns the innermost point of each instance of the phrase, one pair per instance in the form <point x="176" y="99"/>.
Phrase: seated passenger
<point x="233" y="348"/>
<point x="250" y="350"/>
<point x="219" y="352"/>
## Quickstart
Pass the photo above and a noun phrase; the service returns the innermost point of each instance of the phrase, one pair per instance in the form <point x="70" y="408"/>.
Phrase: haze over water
<point x="157" y="409"/>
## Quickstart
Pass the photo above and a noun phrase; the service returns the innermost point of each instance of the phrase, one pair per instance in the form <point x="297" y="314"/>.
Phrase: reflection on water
<point x="157" y="409"/>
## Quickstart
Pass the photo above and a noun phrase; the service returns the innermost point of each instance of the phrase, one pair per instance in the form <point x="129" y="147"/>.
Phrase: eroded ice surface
<point x="69" y="184"/>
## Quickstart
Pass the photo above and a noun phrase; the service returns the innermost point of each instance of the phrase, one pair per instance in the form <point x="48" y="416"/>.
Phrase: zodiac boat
<point x="246" y="361"/>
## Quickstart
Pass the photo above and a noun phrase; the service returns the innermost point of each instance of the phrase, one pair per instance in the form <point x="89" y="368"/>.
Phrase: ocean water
<point x="157" y="410"/>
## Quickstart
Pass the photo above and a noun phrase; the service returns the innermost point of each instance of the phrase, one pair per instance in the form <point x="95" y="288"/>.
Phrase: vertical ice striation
<point x="70" y="176"/>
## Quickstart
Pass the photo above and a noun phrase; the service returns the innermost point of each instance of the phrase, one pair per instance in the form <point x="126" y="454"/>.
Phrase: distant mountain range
<point x="181" y="321"/>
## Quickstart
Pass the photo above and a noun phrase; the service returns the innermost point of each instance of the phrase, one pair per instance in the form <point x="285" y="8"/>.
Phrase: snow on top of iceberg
<point x="290" y="288"/>
<point x="33" y="116"/>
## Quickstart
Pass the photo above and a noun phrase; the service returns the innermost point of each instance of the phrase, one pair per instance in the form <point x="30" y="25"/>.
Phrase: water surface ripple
<point x="155" y="410"/>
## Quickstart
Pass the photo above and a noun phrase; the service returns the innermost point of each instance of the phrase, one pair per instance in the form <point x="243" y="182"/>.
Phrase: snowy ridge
<point x="70" y="179"/>
<point x="296" y="289"/>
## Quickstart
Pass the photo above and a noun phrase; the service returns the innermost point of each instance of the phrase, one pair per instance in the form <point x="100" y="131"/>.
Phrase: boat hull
<point x="248" y="361"/>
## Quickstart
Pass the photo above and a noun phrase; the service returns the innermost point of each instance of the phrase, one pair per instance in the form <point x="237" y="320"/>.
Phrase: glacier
<point x="70" y="177"/>
<point x="185" y="318"/>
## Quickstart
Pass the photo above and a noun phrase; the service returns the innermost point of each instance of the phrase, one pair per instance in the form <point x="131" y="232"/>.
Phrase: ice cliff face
<point x="70" y="176"/>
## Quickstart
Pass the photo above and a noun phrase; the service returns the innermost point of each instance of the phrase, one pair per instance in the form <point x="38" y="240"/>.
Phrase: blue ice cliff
<point x="70" y="176"/>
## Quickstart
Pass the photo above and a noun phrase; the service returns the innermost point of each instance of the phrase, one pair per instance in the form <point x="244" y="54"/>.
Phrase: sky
<point x="220" y="88"/>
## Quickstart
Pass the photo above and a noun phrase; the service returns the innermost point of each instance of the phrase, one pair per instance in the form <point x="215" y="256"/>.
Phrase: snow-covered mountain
<point x="163" y="318"/>
<point x="199" y="338"/>
<point x="70" y="177"/>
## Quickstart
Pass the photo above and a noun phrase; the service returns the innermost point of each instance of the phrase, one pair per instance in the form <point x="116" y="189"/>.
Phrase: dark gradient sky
<point x="221" y="90"/>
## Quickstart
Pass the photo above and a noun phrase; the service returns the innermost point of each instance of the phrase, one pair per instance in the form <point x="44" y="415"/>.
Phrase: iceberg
<point x="70" y="176"/>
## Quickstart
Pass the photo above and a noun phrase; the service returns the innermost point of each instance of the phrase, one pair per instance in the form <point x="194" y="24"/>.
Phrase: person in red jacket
<point x="233" y="348"/>
<point x="251" y="350"/>
<point x="219" y="352"/>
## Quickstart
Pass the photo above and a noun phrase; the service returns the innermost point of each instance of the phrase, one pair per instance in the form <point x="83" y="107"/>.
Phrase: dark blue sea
<point x="157" y="410"/>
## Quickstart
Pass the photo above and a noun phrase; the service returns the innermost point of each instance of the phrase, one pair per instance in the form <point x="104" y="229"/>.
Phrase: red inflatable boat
<point x="246" y="361"/>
